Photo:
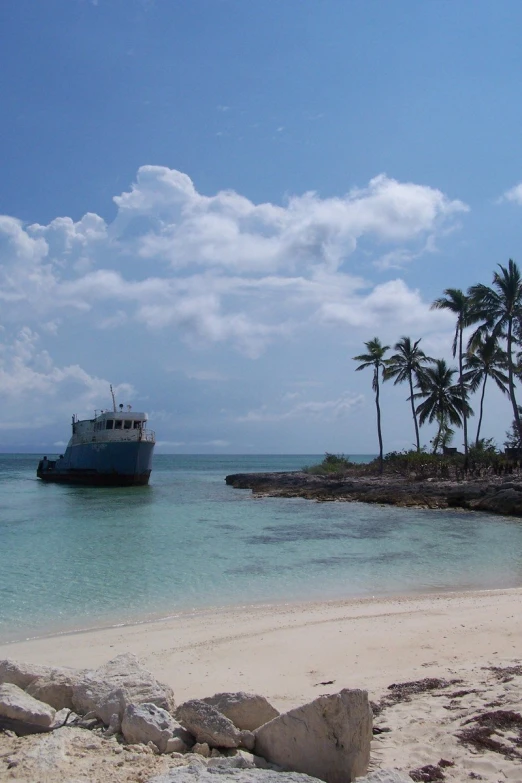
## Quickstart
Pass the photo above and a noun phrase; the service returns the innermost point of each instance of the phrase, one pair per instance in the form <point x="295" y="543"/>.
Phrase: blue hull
<point x="101" y="464"/>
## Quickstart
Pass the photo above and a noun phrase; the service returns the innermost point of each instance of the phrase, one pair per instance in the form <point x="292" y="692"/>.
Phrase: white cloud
<point x="326" y="410"/>
<point x="397" y="259"/>
<point x="229" y="231"/>
<point x="513" y="194"/>
<point x="31" y="382"/>
<point x="216" y="269"/>
<point x="218" y="443"/>
<point x="390" y="305"/>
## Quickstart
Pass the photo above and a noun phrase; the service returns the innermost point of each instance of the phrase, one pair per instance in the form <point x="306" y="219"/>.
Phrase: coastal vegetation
<point x="408" y="364"/>
<point x="332" y="464"/>
<point x="375" y="359"/>
<point x="490" y="317"/>
<point x="483" y="460"/>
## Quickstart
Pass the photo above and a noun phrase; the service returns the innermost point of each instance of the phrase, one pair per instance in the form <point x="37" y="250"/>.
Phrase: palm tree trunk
<point x="461" y="383"/>
<point x="512" y="397"/>
<point x="481" y="409"/>
<point x="439" y="436"/>
<point x="417" y="436"/>
<point x="379" y="433"/>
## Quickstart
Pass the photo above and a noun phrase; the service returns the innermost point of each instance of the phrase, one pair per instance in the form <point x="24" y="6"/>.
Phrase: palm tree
<point x="486" y="360"/>
<point x="443" y="400"/>
<point x="408" y="364"/>
<point x="374" y="358"/>
<point x="459" y="304"/>
<point x="500" y="308"/>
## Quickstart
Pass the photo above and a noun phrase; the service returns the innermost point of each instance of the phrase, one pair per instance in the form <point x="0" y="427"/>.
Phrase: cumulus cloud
<point x="228" y="231"/>
<point x="219" y="268"/>
<point x="32" y="382"/>
<point x="513" y="194"/>
<point x="207" y="270"/>
<point x="387" y="304"/>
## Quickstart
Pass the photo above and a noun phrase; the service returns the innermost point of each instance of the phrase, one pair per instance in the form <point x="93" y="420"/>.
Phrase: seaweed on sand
<point x="480" y="736"/>
<point x="403" y="691"/>
<point x="426" y="774"/>
<point x="505" y="673"/>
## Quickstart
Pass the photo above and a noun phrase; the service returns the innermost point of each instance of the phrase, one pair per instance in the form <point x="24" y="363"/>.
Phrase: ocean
<point x="84" y="557"/>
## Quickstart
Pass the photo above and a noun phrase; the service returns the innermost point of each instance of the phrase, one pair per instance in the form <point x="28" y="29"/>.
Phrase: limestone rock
<point x="246" y="710"/>
<point x="18" y="705"/>
<point x="241" y="759"/>
<point x="247" y="740"/>
<point x="208" y="725"/>
<point x="45" y="757"/>
<point x="144" y="723"/>
<point x="177" y="745"/>
<point x="328" y="738"/>
<point x="23" y="674"/>
<point x="55" y="688"/>
<point x="385" y="776"/>
<point x="110" y="688"/>
<point x="506" y="501"/>
<point x="200" y="774"/>
<point x="202" y="749"/>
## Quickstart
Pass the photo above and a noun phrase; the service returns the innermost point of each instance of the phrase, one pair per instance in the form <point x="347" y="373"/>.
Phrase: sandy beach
<point x="292" y="653"/>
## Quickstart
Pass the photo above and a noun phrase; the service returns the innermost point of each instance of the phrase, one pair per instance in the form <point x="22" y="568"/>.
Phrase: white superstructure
<point x="111" y="427"/>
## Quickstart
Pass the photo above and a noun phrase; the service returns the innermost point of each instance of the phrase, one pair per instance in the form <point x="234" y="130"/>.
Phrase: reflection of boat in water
<point x="113" y="449"/>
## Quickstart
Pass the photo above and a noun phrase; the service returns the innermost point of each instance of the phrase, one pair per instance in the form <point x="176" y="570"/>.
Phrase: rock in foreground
<point x="144" y="723"/>
<point x="108" y="690"/>
<point x="329" y="738"/>
<point x="56" y="688"/>
<point x="208" y="725"/>
<point x="196" y="774"/>
<point x="26" y="674"/>
<point x="247" y="711"/>
<point x="17" y="705"/>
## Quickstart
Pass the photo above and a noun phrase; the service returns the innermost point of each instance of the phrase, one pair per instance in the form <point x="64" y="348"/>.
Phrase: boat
<point x="114" y="449"/>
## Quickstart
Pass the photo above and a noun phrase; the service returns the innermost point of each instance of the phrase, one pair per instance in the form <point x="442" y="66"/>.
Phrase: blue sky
<point x="213" y="204"/>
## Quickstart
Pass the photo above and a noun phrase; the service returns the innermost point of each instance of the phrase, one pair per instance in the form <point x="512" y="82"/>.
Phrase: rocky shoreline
<point x="118" y="724"/>
<point x="494" y="494"/>
<point x="121" y="707"/>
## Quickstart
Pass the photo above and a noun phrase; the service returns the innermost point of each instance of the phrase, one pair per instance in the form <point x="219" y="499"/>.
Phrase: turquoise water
<point x="78" y="557"/>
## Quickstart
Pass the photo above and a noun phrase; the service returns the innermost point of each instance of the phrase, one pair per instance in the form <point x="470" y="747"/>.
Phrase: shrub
<point x="331" y="464"/>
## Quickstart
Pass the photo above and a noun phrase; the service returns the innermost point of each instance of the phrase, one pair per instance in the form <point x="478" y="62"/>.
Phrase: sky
<point x="214" y="204"/>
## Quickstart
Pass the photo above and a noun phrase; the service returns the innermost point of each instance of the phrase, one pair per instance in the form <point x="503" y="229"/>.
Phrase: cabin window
<point x="117" y="424"/>
<point x="109" y="424"/>
<point x="137" y="425"/>
<point x="127" y="424"/>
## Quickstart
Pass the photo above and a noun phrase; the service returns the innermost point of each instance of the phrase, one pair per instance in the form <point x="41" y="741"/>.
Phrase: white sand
<point x="287" y="652"/>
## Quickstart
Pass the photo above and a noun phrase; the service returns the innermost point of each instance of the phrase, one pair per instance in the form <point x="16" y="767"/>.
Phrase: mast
<point x="113" y="400"/>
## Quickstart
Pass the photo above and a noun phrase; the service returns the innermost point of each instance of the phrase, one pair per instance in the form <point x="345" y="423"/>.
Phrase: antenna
<point x="113" y="400"/>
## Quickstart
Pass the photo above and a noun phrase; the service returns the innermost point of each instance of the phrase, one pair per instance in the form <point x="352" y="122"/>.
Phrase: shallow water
<point x="77" y="557"/>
